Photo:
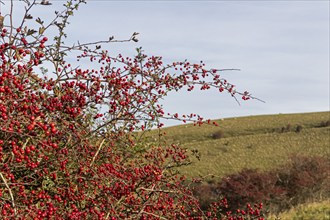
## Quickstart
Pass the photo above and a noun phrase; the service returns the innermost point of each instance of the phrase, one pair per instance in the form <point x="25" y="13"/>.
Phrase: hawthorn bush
<point x="71" y="138"/>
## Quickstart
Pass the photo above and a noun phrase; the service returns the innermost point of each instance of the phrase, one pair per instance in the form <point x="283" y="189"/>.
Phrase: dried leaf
<point x="135" y="39"/>
<point x="31" y="31"/>
<point x="18" y="56"/>
<point x="28" y="16"/>
<point x="45" y="2"/>
<point x="1" y="21"/>
<point x="38" y="20"/>
<point x="41" y="30"/>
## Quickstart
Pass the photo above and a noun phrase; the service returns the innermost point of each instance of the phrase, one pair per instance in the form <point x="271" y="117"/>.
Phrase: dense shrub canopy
<point x="71" y="139"/>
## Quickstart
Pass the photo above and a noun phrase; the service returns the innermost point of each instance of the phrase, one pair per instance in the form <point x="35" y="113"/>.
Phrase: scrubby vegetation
<point x="301" y="180"/>
<point x="218" y="134"/>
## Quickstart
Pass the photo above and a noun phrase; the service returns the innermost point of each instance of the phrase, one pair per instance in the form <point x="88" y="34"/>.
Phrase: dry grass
<point x="310" y="211"/>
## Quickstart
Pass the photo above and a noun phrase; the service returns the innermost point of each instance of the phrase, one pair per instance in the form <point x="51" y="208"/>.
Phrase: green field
<point x="262" y="142"/>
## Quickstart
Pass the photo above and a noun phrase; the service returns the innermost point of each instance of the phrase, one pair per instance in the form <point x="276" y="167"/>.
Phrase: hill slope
<point x="262" y="142"/>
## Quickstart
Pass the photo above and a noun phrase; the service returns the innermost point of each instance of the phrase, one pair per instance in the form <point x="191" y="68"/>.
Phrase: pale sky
<point x="281" y="47"/>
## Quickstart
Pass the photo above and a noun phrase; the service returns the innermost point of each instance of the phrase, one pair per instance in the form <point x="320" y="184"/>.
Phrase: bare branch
<point x="97" y="152"/>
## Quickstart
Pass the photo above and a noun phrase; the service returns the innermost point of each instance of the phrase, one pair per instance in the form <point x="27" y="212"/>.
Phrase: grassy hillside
<point x="262" y="142"/>
<point x="310" y="211"/>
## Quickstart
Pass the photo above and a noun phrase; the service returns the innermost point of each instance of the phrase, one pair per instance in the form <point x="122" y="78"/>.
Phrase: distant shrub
<point x="298" y="128"/>
<point x="288" y="127"/>
<point x="324" y="124"/>
<point x="250" y="186"/>
<point x="305" y="178"/>
<point x="218" y="134"/>
<point x="209" y="198"/>
<point x="206" y="194"/>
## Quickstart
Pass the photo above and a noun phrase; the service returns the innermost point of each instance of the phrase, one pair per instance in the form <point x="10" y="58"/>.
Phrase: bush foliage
<point x="71" y="138"/>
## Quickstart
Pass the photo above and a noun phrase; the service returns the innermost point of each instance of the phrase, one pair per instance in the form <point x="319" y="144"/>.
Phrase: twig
<point x="158" y="190"/>
<point x="10" y="193"/>
<point x="154" y="215"/>
<point x="232" y="69"/>
<point x="97" y="152"/>
<point x="24" y="145"/>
